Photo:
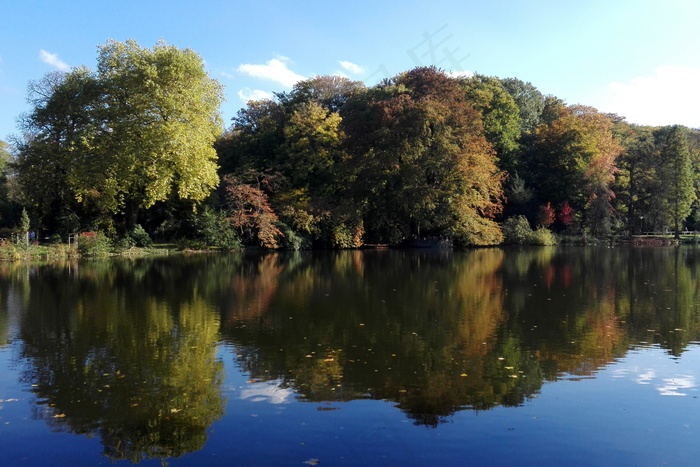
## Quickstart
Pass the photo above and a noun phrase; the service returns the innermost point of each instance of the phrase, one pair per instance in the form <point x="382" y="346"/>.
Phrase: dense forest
<point x="135" y="149"/>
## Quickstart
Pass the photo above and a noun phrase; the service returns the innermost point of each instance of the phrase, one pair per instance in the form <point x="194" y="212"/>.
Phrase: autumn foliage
<point x="332" y="163"/>
<point x="250" y="213"/>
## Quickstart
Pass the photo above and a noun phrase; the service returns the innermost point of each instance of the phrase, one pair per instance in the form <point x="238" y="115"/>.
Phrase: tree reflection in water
<point x="440" y="331"/>
<point x="124" y="351"/>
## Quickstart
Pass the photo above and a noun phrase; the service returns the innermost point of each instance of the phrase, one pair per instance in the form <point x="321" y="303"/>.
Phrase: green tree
<point x="529" y="100"/>
<point x="24" y="226"/>
<point x="637" y="181"/>
<point x="676" y="173"/>
<point x="331" y="92"/>
<point x="500" y="114"/>
<point x="119" y="140"/>
<point x="288" y="150"/>
<point x="59" y="135"/>
<point x="162" y="109"/>
<point x="5" y="155"/>
<point x="254" y="139"/>
<point x="8" y="206"/>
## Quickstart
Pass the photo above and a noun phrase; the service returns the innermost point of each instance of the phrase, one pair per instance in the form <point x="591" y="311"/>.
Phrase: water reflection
<point x="125" y="350"/>
<point x="438" y="332"/>
<point x="122" y="350"/>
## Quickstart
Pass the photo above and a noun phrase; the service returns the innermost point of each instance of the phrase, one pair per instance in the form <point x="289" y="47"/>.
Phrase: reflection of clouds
<point x="672" y="386"/>
<point x="269" y="391"/>
<point x="618" y="372"/>
<point x="666" y="385"/>
<point x="646" y="377"/>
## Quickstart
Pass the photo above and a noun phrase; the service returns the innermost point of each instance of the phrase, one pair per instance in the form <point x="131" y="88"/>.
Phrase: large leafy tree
<point x="294" y="145"/>
<point x="637" y="179"/>
<point x="573" y="159"/>
<point x="500" y="116"/>
<point x="423" y="166"/>
<point x="676" y="173"/>
<point x="8" y="207"/>
<point x="60" y="134"/>
<point x="135" y="132"/>
<point x="529" y="100"/>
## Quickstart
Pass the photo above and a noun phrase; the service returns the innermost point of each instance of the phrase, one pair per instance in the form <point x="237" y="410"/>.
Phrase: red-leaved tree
<point x="249" y="211"/>
<point x="546" y="216"/>
<point x="566" y="214"/>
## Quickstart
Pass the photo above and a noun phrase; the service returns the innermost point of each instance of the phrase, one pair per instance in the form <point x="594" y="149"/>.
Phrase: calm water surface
<point x="542" y="356"/>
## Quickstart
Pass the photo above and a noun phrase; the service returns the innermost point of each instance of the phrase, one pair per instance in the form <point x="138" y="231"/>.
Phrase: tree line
<point x="137" y="145"/>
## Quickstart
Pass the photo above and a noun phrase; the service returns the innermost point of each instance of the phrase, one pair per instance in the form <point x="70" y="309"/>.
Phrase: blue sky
<point x="637" y="58"/>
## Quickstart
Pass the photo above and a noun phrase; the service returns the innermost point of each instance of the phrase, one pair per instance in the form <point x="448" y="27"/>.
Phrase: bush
<point x="344" y="236"/>
<point x="517" y="231"/>
<point x="94" y="244"/>
<point x="215" y="230"/>
<point x="140" y="237"/>
<point x="542" y="237"/>
<point x="9" y="251"/>
<point x="291" y="240"/>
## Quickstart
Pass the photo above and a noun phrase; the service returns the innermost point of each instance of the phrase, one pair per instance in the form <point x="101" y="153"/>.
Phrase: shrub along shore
<point x="99" y="246"/>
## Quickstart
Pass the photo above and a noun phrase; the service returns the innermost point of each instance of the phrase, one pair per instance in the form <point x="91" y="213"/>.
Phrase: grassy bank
<point x="60" y="251"/>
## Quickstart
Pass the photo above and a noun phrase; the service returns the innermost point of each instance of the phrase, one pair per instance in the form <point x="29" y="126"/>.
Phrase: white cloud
<point x="351" y="67"/>
<point x="274" y="70"/>
<point x="248" y="94"/>
<point x="53" y="60"/>
<point x="670" y="96"/>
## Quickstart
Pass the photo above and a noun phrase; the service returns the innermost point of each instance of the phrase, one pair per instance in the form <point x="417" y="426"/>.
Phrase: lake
<point x="542" y="356"/>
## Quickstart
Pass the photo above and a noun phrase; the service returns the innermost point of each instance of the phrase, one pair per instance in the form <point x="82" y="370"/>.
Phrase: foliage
<point x="137" y="144"/>
<point x="573" y="159"/>
<point x="93" y="244"/>
<point x="9" y="207"/>
<point x="566" y="214"/>
<point x="529" y="100"/>
<point x="107" y="145"/>
<point x="517" y="231"/>
<point x="500" y="116"/>
<point x="421" y="164"/>
<point x="215" y="230"/>
<point x="542" y="236"/>
<point x="546" y="215"/>
<point x="23" y="234"/>
<point x="250" y="214"/>
<point x="140" y="237"/>
<point x="678" y="191"/>
<point x="347" y="236"/>
<point x="293" y="241"/>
